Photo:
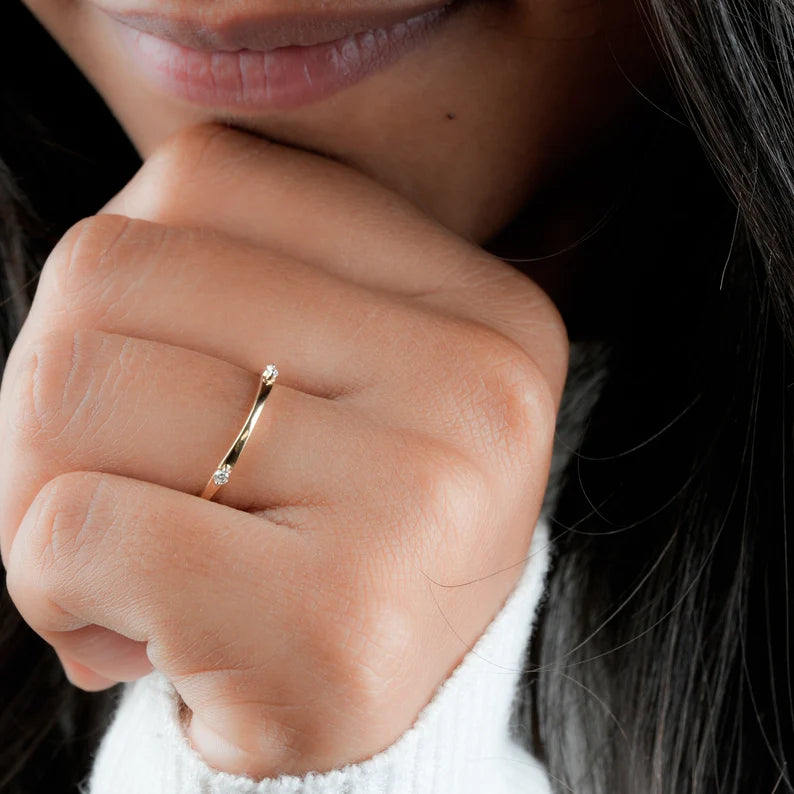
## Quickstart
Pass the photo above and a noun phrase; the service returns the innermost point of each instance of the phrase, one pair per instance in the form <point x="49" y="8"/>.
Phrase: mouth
<point x="277" y="61"/>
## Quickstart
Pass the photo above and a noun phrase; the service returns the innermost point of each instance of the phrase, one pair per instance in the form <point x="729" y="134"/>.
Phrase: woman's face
<point x="464" y="107"/>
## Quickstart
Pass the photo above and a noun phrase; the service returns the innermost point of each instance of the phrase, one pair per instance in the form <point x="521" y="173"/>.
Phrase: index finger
<point x="331" y="216"/>
<point x="294" y="203"/>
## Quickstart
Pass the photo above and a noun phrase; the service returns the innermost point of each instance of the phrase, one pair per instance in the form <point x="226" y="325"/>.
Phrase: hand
<point x="406" y="441"/>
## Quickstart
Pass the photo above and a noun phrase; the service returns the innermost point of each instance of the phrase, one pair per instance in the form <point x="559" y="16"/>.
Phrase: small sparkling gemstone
<point x="270" y="373"/>
<point x="221" y="476"/>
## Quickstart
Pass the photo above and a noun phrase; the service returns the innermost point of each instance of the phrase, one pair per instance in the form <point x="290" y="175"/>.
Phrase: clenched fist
<point x="303" y="616"/>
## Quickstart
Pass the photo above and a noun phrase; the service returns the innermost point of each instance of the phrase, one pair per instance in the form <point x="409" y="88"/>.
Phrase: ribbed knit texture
<point x="459" y="744"/>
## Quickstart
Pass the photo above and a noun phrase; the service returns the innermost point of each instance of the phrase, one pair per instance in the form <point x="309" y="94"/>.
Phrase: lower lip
<point x="284" y="78"/>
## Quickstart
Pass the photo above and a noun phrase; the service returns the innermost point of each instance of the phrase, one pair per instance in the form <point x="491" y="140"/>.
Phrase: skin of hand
<point x="379" y="514"/>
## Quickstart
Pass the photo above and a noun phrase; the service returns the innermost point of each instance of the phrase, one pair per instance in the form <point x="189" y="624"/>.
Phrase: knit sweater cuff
<point x="461" y="742"/>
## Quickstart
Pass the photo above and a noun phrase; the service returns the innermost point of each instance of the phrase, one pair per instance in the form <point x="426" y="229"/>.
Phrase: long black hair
<point x="663" y="660"/>
<point x="55" y="166"/>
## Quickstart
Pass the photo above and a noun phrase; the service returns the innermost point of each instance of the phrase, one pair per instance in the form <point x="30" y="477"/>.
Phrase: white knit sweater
<point x="461" y="742"/>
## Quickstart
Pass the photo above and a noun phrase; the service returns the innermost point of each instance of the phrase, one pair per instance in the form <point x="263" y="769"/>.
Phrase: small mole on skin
<point x="451" y="116"/>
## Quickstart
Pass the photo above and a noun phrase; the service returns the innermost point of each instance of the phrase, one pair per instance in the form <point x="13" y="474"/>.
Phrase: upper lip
<point x="266" y="29"/>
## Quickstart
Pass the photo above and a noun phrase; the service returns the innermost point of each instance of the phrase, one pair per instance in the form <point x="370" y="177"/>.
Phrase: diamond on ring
<point x="270" y="373"/>
<point x="221" y="476"/>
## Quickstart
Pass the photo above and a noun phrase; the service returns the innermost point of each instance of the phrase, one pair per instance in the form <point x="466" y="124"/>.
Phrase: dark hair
<point x="55" y="167"/>
<point x="662" y="661"/>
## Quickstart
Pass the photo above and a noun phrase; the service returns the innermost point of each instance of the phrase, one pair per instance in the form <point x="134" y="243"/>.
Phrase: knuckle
<point x="50" y="548"/>
<point x="77" y="279"/>
<point x="511" y="402"/>
<point x="59" y="383"/>
<point x="454" y="490"/>
<point x="371" y="643"/>
<point x="440" y="498"/>
<point x="63" y="520"/>
<point x="167" y="182"/>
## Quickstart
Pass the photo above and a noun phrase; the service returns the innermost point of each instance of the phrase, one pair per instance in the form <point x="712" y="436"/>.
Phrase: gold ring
<point x="224" y="470"/>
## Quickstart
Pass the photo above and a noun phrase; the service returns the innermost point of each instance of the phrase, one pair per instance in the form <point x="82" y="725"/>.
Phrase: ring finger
<point x="93" y="401"/>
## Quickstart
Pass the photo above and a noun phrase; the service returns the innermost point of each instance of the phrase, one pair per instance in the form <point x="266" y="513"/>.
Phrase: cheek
<point x="467" y="127"/>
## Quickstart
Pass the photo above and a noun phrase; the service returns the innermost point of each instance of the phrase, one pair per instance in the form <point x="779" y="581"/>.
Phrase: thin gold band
<point x="221" y="475"/>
